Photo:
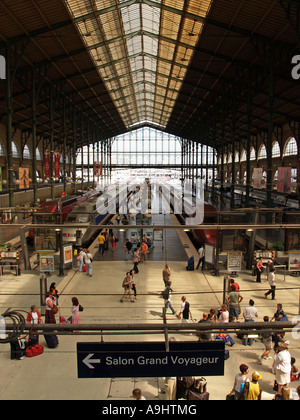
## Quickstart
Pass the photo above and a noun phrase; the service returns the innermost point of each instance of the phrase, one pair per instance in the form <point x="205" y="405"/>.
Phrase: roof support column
<point x="33" y="106"/>
<point x="232" y="201"/>
<point x="248" y="146"/>
<point x="51" y="121"/>
<point x="81" y="140"/>
<point x="222" y="154"/>
<point x="271" y="80"/>
<point x="9" y="113"/>
<point x="10" y="77"/>
<point x="64" y="143"/>
<point x="74" y="148"/>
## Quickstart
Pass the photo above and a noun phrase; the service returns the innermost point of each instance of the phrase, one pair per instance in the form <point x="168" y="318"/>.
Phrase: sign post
<point x="132" y="360"/>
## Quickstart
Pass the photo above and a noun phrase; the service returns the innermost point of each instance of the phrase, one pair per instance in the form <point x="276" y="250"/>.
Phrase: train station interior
<point x="172" y="126"/>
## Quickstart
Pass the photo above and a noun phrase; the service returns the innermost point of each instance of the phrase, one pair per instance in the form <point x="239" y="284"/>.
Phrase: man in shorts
<point x="268" y="343"/>
<point x="234" y="299"/>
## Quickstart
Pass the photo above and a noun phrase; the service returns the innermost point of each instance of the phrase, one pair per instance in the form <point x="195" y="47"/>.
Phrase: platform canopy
<point x="187" y="67"/>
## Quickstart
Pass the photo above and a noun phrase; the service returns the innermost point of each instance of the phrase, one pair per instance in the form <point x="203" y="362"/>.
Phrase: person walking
<point x="234" y="299"/>
<point x="201" y="253"/>
<point x="185" y="312"/>
<point x="249" y="314"/>
<point x="89" y="261"/>
<point x="75" y="311"/>
<point x="252" y="390"/>
<point x="112" y="239"/>
<point x="127" y="247"/>
<point x="166" y="274"/>
<point x="167" y="298"/>
<point x="82" y="256"/>
<point x="133" y="284"/>
<point x="127" y="285"/>
<point x="101" y="240"/>
<point x="136" y="260"/>
<point x="268" y="343"/>
<point x="259" y="268"/>
<point x="144" y="252"/>
<point x="272" y="282"/>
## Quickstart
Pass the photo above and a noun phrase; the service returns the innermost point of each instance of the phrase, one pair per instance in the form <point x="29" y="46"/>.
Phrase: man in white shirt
<point x="249" y="314"/>
<point x="201" y="258"/>
<point x="272" y="282"/>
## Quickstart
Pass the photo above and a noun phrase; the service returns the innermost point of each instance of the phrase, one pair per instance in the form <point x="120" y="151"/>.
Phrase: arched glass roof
<point x="142" y="50"/>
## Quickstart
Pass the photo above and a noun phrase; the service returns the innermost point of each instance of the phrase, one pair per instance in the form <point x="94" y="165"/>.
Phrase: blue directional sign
<point x="150" y="359"/>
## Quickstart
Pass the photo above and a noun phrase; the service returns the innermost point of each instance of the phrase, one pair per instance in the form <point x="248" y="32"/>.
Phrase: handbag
<point x="32" y="351"/>
<point x="80" y="308"/>
<point x="84" y="267"/>
<point x="54" y="309"/>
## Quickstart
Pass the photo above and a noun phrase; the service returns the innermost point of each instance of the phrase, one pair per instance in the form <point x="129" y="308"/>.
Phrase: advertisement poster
<point x="294" y="262"/>
<point x="23" y="178"/>
<point x="68" y="251"/>
<point x="46" y="261"/>
<point x="47" y="164"/>
<point x="284" y="180"/>
<point x="56" y="165"/>
<point x="257" y="177"/>
<point x="100" y="168"/>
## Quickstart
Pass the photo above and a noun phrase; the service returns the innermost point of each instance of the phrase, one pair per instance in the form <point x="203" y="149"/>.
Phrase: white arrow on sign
<point x="88" y="360"/>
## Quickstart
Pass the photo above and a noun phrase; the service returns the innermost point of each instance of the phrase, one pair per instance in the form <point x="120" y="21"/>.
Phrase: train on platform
<point x="55" y="212"/>
<point x="93" y="212"/>
<point x="191" y="207"/>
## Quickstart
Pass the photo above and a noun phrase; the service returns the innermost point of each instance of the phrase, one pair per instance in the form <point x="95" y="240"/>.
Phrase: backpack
<point x="166" y="293"/>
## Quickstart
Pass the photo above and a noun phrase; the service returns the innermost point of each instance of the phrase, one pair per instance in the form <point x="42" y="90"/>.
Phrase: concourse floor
<point x="54" y="373"/>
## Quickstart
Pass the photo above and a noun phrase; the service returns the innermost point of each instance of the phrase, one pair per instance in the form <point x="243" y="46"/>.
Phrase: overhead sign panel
<point x="130" y="360"/>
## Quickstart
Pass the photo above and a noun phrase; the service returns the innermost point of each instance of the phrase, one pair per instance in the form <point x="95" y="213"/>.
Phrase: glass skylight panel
<point x="140" y="46"/>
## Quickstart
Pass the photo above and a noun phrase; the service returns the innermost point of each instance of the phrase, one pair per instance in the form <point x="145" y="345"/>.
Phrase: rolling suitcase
<point x="183" y="387"/>
<point x="51" y="340"/>
<point x="194" y="395"/>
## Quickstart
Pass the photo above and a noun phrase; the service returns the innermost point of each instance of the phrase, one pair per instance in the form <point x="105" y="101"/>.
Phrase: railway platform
<point x="55" y="372"/>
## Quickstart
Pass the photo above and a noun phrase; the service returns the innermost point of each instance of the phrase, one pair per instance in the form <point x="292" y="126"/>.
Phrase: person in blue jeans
<point x="226" y="338"/>
<point x="88" y="261"/>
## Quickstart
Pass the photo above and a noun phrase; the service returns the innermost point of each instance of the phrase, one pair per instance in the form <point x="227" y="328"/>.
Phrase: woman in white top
<point x="240" y="379"/>
<point x="282" y="366"/>
<point x="88" y="261"/>
<point x="224" y="317"/>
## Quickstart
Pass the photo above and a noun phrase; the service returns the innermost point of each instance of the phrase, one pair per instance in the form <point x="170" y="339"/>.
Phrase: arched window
<point x="229" y="158"/>
<point x="262" y="153"/>
<point x="291" y="147"/>
<point x="26" y="152"/>
<point x="38" y="155"/>
<point x="244" y="156"/>
<point x="237" y="157"/>
<point x="276" y="149"/>
<point x="15" y="150"/>
<point x="252" y="154"/>
<point x="2" y="152"/>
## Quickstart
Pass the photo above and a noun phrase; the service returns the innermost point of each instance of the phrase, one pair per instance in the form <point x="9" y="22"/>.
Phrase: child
<point x="295" y="374"/>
